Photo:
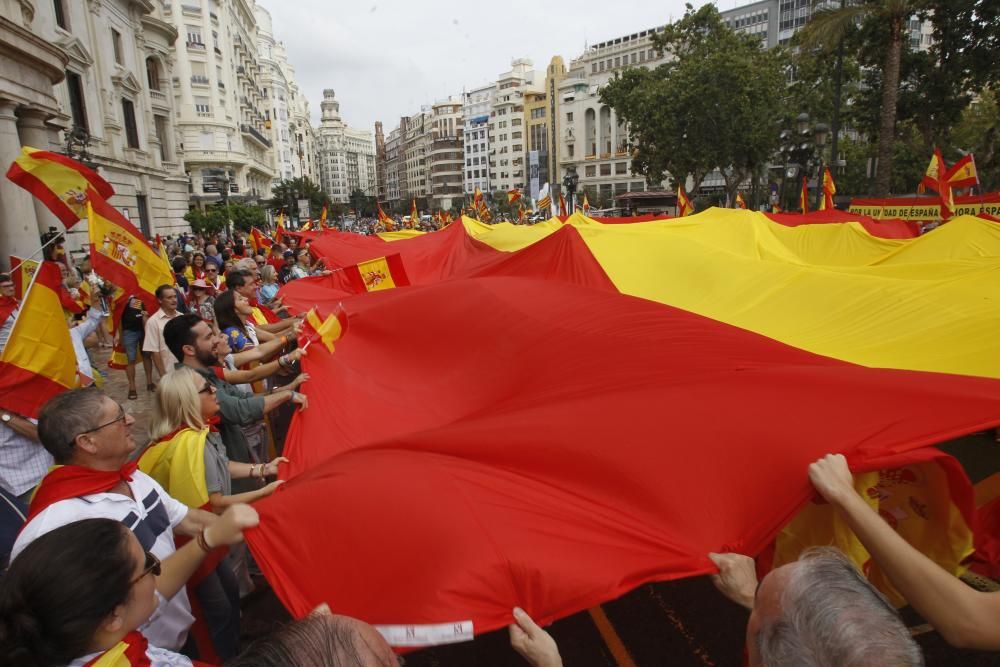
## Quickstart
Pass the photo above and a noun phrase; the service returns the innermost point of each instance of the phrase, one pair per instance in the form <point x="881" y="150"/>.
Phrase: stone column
<point x="35" y="133"/>
<point x="18" y="223"/>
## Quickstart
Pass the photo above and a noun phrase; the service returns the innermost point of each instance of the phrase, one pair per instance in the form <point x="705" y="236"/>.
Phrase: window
<point x="590" y="171"/>
<point x="569" y="117"/>
<point x="131" y="131"/>
<point x="605" y="170"/>
<point x="77" y="105"/>
<point x="202" y="106"/>
<point x="153" y="73"/>
<point x="569" y="151"/>
<point x="162" y="132"/>
<point x="634" y="58"/>
<point x="618" y="61"/>
<point x="116" y="42"/>
<point x="194" y="36"/>
<point x="621" y="167"/>
<point x="60" y="8"/>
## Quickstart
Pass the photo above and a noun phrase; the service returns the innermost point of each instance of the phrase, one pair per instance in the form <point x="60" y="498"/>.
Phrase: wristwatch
<point x="6" y="417"/>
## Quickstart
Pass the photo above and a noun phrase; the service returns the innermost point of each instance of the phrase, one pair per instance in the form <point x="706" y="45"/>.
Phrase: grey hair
<point x="832" y="617"/>
<point x="66" y="416"/>
<point x="246" y="264"/>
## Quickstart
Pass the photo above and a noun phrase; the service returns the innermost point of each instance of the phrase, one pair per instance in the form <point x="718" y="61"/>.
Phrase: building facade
<point x="477" y="105"/>
<point x="346" y="156"/>
<point x="508" y="152"/>
<point x="446" y="158"/>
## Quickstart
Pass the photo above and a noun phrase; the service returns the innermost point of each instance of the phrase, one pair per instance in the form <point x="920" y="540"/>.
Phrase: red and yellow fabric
<point x="378" y="274"/>
<point x="477" y="197"/>
<point x="740" y="201"/>
<point x="322" y="217"/>
<point x="414" y="215"/>
<point x="260" y="243"/>
<point x="71" y="481"/>
<point x="804" y="195"/>
<point x="963" y="173"/>
<point x="586" y="204"/>
<point x="120" y="254"/>
<point x="829" y="189"/>
<point x="308" y="226"/>
<point x="38" y="360"/>
<point x="129" y="652"/>
<point x="929" y="501"/>
<point x="935" y="172"/>
<point x="61" y="183"/>
<point x="324" y="331"/>
<point x="177" y="462"/>
<point x="507" y="487"/>
<point x="684" y="205"/>
<point x="562" y="206"/>
<point x="386" y="221"/>
<point x="522" y="213"/>
<point x="513" y="195"/>
<point x="21" y="271"/>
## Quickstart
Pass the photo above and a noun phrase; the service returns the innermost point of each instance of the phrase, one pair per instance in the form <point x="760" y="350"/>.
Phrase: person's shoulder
<point x="59" y="514"/>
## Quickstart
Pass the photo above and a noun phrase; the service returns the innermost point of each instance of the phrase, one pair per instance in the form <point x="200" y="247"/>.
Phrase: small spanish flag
<point x="414" y="215"/>
<point x="306" y="227"/>
<point x="740" y="201"/>
<point x="562" y="206"/>
<point x="804" y="195"/>
<point x="684" y="205"/>
<point x="963" y="173"/>
<point x="21" y="271"/>
<point x="829" y="189"/>
<point x="38" y="361"/>
<point x="586" y="204"/>
<point x="322" y="218"/>
<point x="513" y="195"/>
<point x="326" y="331"/>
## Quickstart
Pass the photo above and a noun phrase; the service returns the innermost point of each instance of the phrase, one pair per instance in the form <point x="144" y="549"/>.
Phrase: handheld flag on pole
<point x="586" y="204"/>
<point x="963" y="173"/>
<point x="521" y="212"/>
<point x="740" y="201"/>
<point x="308" y="226"/>
<point x="935" y="173"/>
<point x="59" y="182"/>
<point x="21" y="271"/>
<point x="259" y="242"/>
<point x="513" y="195"/>
<point x="804" y="195"/>
<point x="684" y="205"/>
<point x="119" y="253"/>
<point x="414" y="215"/>
<point x="322" y="218"/>
<point x="38" y="360"/>
<point x="325" y="331"/>
<point x="386" y="221"/>
<point x="829" y="189"/>
<point x="562" y="206"/>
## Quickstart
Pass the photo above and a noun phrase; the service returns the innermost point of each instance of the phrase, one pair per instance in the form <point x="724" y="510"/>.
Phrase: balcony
<point x="221" y="86"/>
<point x="199" y="79"/>
<point x="253" y="132"/>
<point x="196" y="46"/>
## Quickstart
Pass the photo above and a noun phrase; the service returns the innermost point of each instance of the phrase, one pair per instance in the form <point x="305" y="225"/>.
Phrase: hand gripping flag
<point x="316" y="329"/>
<point x="61" y="183"/>
<point x="684" y="205"/>
<point x="38" y="361"/>
<point x="740" y="201"/>
<point x="513" y="195"/>
<point x="829" y="189"/>
<point x="119" y="253"/>
<point x="804" y="195"/>
<point x="963" y="173"/>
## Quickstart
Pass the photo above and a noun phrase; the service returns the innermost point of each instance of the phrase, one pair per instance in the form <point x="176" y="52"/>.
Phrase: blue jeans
<point x="219" y="595"/>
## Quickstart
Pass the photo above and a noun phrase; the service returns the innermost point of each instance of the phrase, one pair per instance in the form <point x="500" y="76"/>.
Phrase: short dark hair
<point x="4" y="277"/>
<point x="59" y="590"/>
<point x="178" y="332"/>
<point x="161" y="289"/>
<point x="65" y="416"/>
<point x="178" y="264"/>
<point x="225" y="312"/>
<point x="237" y="278"/>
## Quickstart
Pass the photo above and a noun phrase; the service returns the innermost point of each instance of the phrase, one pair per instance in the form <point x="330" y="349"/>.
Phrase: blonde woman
<point x="184" y="442"/>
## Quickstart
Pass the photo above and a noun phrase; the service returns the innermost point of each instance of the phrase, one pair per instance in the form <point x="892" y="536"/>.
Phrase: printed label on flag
<point x="426" y="635"/>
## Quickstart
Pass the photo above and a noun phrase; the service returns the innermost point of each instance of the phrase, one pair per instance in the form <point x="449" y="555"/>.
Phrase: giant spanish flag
<point x="61" y="183"/>
<point x="119" y="253"/>
<point x="575" y="444"/>
<point x="38" y="361"/>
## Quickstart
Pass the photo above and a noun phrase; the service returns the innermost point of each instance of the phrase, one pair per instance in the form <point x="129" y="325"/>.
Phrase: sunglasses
<point x="209" y="388"/>
<point x="211" y="270"/>
<point x="152" y="566"/>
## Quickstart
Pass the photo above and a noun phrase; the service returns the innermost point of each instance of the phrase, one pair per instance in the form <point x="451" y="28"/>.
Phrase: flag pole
<point x="44" y="245"/>
<point x="24" y="300"/>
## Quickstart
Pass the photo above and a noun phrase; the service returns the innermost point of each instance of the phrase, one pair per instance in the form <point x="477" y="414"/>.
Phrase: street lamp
<point x="802" y="151"/>
<point x="78" y="145"/>
<point x="226" y="180"/>
<point x="570" y="181"/>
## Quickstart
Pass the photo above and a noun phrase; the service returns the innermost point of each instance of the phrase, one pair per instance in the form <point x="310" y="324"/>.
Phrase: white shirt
<point x="78" y="334"/>
<point x="151" y="515"/>
<point x="6" y="327"/>
<point x="23" y="461"/>
<point x="157" y="658"/>
<point x="153" y="342"/>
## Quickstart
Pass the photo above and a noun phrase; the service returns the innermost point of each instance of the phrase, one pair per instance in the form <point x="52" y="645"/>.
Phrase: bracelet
<point x="284" y="341"/>
<point x="202" y="542"/>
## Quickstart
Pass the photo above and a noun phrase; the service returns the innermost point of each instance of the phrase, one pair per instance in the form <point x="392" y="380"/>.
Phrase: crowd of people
<point x="136" y="549"/>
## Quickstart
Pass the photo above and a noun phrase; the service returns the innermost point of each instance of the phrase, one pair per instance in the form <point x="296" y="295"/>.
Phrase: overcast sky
<point x="385" y="58"/>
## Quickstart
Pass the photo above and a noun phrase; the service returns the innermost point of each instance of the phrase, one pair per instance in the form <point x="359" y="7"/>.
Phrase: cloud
<point x="386" y="59"/>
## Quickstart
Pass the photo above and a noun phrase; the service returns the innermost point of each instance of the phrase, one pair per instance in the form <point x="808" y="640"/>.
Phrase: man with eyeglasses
<point x="90" y="436"/>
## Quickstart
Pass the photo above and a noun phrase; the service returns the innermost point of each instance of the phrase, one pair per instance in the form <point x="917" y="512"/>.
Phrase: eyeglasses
<point x="209" y="388"/>
<point x="261" y="263"/>
<point x="121" y="417"/>
<point x="213" y="270"/>
<point x="152" y="566"/>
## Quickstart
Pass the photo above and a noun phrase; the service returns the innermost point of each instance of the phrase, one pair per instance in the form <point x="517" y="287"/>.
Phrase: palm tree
<point x="827" y="28"/>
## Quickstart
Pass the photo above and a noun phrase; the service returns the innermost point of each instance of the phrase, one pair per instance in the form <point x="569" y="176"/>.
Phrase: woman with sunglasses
<point x="78" y="594"/>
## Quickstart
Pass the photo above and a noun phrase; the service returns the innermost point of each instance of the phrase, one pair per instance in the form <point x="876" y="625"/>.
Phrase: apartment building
<point x="346" y="155"/>
<point x="507" y="129"/>
<point x="446" y="158"/>
<point x="476" y="108"/>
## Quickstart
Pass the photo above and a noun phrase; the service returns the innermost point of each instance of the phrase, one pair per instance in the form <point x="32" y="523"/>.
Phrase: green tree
<point x="712" y="106"/>
<point x="245" y="216"/>
<point x="362" y="203"/>
<point x="978" y="132"/>
<point x="208" y="222"/>
<point x="286" y="195"/>
<point x="828" y="26"/>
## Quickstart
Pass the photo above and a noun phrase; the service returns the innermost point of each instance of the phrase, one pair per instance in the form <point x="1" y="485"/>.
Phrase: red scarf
<point x="268" y="314"/>
<point x="7" y="306"/>
<point x="65" y="482"/>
